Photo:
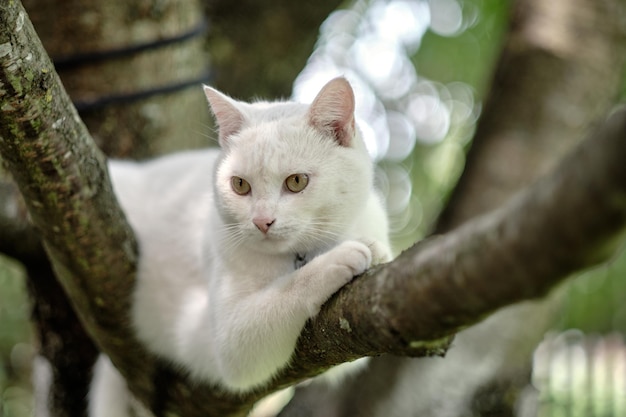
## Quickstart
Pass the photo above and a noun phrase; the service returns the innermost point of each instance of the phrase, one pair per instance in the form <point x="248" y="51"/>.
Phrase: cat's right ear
<point x="332" y="111"/>
<point x="228" y="117"/>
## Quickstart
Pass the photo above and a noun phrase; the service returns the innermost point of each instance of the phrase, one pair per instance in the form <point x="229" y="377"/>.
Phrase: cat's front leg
<point x="255" y="334"/>
<point x="327" y="273"/>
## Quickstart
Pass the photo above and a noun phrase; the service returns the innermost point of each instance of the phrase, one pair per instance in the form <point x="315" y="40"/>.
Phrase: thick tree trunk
<point x="92" y="44"/>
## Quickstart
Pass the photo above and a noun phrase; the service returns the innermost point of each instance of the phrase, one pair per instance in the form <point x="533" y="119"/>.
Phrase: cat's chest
<point x="263" y="267"/>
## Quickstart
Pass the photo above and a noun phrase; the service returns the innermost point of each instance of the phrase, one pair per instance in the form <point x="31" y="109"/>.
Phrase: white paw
<point x="350" y="258"/>
<point x="332" y="270"/>
<point x="380" y="253"/>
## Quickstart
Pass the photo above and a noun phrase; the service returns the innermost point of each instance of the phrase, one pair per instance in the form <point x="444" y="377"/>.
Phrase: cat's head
<point x="292" y="177"/>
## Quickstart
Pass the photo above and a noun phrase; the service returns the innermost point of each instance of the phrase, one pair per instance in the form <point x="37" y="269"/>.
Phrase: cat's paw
<point x="356" y="256"/>
<point x="350" y="258"/>
<point x="332" y="270"/>
<point x="380" y="253"/>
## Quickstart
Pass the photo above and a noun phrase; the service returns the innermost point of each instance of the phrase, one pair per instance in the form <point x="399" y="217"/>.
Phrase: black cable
<point x="76" y="60"/>
<point x="86" y="106"/>
<point x="86" y="58"/>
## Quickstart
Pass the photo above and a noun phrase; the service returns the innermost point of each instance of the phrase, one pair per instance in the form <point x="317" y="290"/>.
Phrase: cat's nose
<point x="263" y="223"/>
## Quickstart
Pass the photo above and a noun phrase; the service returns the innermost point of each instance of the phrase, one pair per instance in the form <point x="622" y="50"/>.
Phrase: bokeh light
<point x="400" y="113"/>
<point x="579" y="375"/>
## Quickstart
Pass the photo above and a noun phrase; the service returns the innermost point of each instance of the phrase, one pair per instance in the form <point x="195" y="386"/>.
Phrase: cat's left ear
<point x="332" y="111"/>
<point x="228" y="117"/>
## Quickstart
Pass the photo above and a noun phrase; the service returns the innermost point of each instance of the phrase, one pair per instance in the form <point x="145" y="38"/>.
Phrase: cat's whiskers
<point x="320" y="234"/>
<point x="231" y="236"/>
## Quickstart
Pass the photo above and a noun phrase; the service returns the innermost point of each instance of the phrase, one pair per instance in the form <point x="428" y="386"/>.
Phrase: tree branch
<point x="548" y="88"/>
<point x="570" y="220"/>
<point x="63" y="179"/>
<point x="57" y="168"/>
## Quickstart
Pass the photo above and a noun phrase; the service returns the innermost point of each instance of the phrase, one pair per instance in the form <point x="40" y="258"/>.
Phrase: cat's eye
<point x="296" y="182"/>
<point x="240" y="186"/>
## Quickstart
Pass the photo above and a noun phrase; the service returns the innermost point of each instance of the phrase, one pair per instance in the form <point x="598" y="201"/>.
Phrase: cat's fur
<point x="225" y="281"/>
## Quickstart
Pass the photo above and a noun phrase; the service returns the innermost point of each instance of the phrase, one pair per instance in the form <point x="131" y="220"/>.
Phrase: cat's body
<point x="239" y="247"/>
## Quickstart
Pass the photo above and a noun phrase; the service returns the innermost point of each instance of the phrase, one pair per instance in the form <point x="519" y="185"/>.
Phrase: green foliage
<point x="460" y="65"/>
<point x="469" y="56"/>
<point x="15" y="342"/>
<point x="595" y="300"/>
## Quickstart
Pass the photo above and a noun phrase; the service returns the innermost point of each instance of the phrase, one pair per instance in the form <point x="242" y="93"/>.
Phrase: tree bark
<point x="63" y="179"/>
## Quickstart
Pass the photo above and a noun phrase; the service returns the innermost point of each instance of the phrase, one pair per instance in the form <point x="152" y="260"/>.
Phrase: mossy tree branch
<point x="61" y="174"/>
<point x="407" y="307"/>
<point x="63" y="179"/>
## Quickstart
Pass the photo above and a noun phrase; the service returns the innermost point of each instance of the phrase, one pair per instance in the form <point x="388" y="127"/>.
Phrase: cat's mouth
<point x="269" y="236"/>
<point x="273" y="238"/>
<point x="274" y="242"/>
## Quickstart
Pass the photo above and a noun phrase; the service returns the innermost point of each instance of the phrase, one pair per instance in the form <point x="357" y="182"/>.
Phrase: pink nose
<point x="263" y="223"/>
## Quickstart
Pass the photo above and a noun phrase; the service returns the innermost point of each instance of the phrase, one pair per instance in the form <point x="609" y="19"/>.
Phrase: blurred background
<point x="422" y="72"/>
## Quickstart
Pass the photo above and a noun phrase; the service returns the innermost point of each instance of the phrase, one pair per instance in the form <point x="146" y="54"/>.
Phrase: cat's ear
<point x="228" y="117"/>
<point x="332" y="111"/>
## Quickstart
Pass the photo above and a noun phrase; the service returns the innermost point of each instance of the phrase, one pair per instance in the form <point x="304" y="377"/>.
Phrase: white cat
<point x="239" y="247"/>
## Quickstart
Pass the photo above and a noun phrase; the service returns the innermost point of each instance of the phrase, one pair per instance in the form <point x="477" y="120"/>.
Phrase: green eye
<point x="296" y="182"/>
<point x="240" y="186"/>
